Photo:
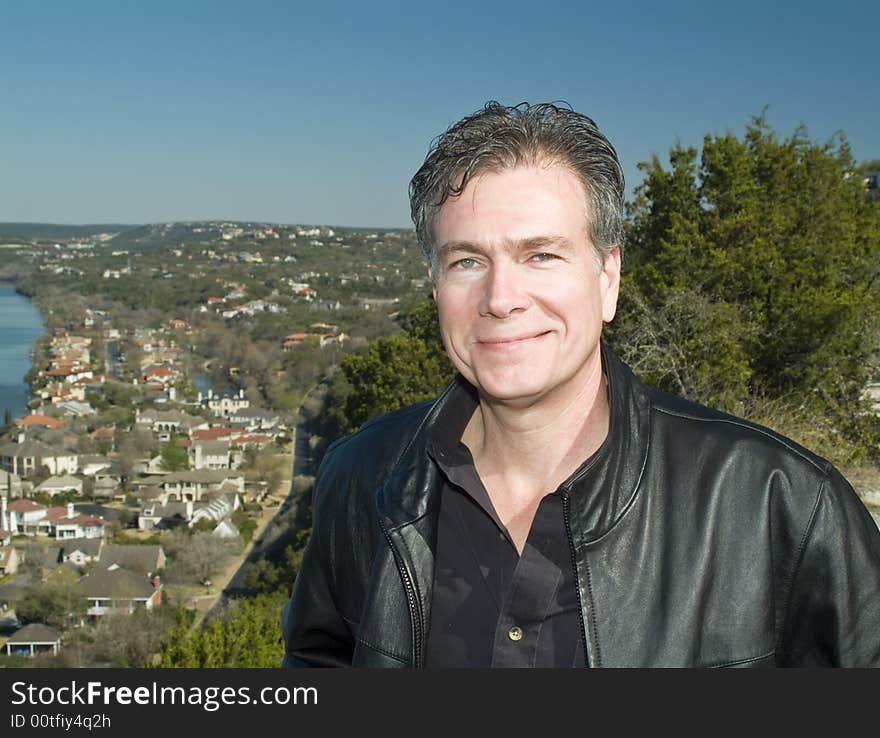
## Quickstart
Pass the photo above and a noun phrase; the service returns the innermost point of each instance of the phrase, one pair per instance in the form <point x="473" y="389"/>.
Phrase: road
<point x="267" y="537"/>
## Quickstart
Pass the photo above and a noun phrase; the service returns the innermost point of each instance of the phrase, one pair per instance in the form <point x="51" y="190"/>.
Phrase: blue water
<point x="20" y="327"/>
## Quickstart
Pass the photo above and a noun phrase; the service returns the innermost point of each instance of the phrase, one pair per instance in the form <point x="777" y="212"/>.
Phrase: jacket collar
<point x="600" y="491"/>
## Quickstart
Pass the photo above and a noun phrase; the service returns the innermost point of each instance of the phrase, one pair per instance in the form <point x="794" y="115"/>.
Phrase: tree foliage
<point x="129" y="641"/>
<point x="247" y="636"/>
<point x="195" y="557"/>
<point x="752" y="272"/>
<point x="396" y="370"/>
<point x="174" y="456"/>
<point x="56" y="602"/>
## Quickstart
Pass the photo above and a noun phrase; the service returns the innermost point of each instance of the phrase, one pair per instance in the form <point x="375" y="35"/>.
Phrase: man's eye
<point x="466" y="263"/>
<point x="543" y="256"/>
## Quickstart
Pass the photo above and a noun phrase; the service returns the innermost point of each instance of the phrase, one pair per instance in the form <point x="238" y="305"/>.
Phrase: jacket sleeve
<point x="315" y="633"/>
<point x="833" y="616"/>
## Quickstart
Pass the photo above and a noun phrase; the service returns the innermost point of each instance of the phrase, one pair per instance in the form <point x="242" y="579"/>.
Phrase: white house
<point x="91" y="464"/>
<point x="225" y="405"/>
<point x="210" y="454"/>
<point x="23" y="515"/>
<point x="27" y="457"/>
<point x="56" y="485"/>
<point x="65" y="522"/>
<point x="226" y="529"/>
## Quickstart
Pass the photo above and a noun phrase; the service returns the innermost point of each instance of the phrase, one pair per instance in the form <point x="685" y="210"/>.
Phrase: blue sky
<point x="320" y="112"/>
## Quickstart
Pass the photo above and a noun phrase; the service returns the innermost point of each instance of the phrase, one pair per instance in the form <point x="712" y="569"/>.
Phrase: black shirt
<point x="491" y="606"/>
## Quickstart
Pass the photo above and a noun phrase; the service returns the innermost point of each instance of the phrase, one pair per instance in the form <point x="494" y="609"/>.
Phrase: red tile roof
<point x="211" y="434"/>
<point x="38" y="419"/>
<point x="22" y="506"/>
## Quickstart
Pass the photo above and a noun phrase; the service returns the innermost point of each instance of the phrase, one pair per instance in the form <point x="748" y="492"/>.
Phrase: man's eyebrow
<point x="526" y="244"/>
<point x="543" y="242"/>
<point x="451" y="247"/>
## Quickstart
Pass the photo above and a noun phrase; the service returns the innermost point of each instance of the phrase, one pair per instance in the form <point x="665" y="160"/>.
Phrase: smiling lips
<point x="510" y="342"/>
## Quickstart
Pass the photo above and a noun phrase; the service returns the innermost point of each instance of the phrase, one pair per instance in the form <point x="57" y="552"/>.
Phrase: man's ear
<point x="433" y="283"/>
<point x="609" y="281"/>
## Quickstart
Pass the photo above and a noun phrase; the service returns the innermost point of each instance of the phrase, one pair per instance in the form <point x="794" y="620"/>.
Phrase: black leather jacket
<point x="698" y="539"/>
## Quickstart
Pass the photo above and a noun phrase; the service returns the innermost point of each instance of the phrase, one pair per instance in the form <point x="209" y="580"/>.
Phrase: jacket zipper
<point x="414" y="608"/>
<point x="573" y="555"/>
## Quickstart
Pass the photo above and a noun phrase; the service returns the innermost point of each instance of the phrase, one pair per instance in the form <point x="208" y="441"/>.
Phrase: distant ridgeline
<point x="158" y="235"/>
<point x="31" y="231"/>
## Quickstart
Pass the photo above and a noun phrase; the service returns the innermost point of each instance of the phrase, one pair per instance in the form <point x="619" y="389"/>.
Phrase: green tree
<point x="754" y="274"/>
<point x="174" y="456"/>
<point x="56" y="602"/>
<point x="247" y="636"/>
<point x="397" y="370"/>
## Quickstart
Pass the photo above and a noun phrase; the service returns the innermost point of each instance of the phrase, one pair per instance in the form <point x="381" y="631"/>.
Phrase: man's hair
<point x="499" y="137"/>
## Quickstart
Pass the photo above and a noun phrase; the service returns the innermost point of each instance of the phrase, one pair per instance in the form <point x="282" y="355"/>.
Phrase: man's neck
<point x="531" y="450"/>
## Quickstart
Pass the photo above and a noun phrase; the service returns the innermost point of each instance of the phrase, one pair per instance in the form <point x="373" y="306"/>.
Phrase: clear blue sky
<point x="320" y="112"/>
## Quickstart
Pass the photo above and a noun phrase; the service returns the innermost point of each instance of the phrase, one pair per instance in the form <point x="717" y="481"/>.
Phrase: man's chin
<point x="511" y="393"/>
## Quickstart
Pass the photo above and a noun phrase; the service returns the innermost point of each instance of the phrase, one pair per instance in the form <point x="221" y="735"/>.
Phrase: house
<point x="226" y="529"/>
<point x="326" y="305"/>
<point x="327" y="339"/>
<point x="209" y="455"/>
<point x="214" y="433"/>
<point x="8" y="560"/>
<point x="155" y="515"/>
<point x="33" y="639"/>
<point x="254" y="419"/>
<point x="10" y="484"/>
<point x="82" y="551"/>
<point x="165" y="422"/>
<point x="370" y="302"/>
<point x="106" y="487"/>
<point x="56" y="485"/>
<point x="218" y="509"/>
<point x="76" y="408"/>
<point x="187" y="486"/>
<point x="224" y="405"/>
<point x="159" y="375"/>
<point x="52" y="558"/>
<point x="23" y="515"/>
<point x="145" y="559"/>
<point x="65" y="522"/>
<point x="119" y="590"/>
<point x="27" y="457"/>
<point x="37" y="420"/>
<point x="91" y="464"/>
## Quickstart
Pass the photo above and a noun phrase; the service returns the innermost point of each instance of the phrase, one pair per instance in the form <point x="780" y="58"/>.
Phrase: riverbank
<point x="21" y="328"/>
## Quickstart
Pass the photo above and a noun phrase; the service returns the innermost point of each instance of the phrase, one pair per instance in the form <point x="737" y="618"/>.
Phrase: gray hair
<point x="499" y="137"/>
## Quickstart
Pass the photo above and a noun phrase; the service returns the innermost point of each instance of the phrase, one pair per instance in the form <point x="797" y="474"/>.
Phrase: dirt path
<point x="204" y="602"/>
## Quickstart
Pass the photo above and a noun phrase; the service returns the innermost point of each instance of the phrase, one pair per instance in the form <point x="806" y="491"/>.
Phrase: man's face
<point x="519" y="291"/>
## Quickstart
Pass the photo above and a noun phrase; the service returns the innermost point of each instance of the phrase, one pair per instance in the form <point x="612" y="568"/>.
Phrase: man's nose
<point x="504" y="291"/>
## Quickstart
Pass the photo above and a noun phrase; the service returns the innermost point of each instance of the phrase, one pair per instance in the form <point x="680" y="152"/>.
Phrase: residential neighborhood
<point x="157" y="442"/>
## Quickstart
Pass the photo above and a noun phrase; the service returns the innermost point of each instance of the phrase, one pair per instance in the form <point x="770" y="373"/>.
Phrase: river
<point x="20" y="327"/>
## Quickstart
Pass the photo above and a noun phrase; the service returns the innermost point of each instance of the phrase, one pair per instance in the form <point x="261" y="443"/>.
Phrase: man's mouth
<point x="510" y="341"/>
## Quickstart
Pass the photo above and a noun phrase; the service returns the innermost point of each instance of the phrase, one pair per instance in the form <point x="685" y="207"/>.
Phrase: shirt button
<point x="515" y="633"/>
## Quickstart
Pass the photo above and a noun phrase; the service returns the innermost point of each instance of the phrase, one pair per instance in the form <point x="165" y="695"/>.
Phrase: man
<point x="548" y="509"/>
